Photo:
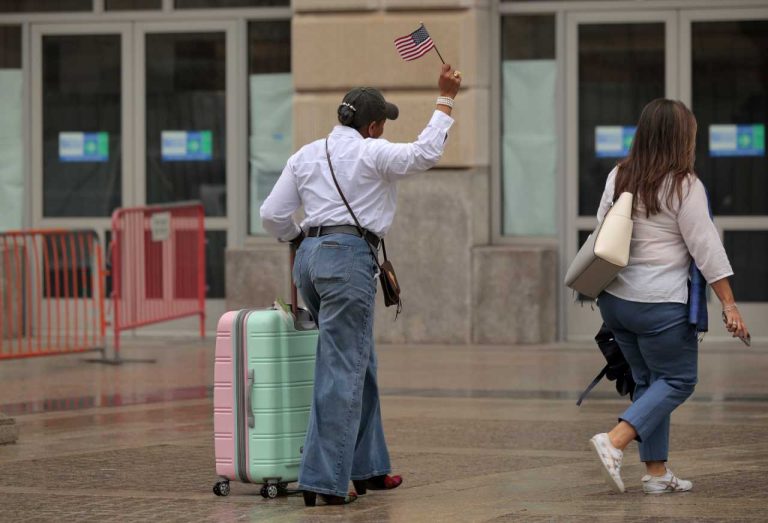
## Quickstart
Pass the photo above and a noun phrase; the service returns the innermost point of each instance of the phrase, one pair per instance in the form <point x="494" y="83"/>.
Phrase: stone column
<point x="442" y="214"/>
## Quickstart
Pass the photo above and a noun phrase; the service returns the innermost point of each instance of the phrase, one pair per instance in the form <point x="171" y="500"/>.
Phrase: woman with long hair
<point x="646" y="306"/>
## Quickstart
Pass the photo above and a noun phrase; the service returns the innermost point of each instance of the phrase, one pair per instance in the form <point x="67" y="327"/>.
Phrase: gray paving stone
<point x="9" y="431"/>
<point x="464" y="428"/>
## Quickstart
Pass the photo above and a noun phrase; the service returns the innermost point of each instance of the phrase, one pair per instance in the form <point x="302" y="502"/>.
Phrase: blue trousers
<point x="345" y="438"/>
<point x="661" y="348"/>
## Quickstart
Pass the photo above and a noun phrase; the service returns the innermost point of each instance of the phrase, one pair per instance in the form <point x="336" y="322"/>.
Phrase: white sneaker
<point x="611" y="458"/>
<point x="665" y="484"/>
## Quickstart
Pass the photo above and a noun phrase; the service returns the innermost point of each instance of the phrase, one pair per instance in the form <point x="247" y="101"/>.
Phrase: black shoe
<point x="310" y="498"/>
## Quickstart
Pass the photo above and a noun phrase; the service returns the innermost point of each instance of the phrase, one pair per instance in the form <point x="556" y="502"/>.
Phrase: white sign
<point x="71" y="145"/>
<point x="613" y="141"/>
<point x="160" y="224"/>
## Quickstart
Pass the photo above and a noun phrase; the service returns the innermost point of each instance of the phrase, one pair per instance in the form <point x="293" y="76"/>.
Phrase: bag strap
<point x="592" y="385"/>
<point x="351" y="212"/>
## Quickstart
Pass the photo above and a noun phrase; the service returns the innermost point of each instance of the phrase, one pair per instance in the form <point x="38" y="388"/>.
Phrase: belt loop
<point x="319" y="230"/>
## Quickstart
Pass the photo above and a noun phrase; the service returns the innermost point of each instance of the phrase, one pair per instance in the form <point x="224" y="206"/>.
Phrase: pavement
<point x="480" y="433"/>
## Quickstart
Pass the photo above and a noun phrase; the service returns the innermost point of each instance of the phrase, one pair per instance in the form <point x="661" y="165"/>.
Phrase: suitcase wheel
<point x="270" y="491"/>
<point x="221" y="488"/>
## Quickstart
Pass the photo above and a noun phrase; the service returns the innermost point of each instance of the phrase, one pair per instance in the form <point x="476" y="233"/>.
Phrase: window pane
<point x="270" y="90"/>
<point x="11" y="144"/>
<point x="748" y="252"/>
<point x="36" y="6"/>
<point x="127" y="5"/>
<point x="186" y="119"/>
<point x="730" y="89"/>
<point x="81" y="125"/>
<point x="529" y="138"/>
<point x="202" y="4"/>
<point x="215" y="244"/>
<point x="528" y="37"/>
<point x="10" y="47"/>
<point x="621" y="68"/>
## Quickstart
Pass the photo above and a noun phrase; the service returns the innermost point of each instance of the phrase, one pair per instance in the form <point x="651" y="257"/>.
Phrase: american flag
<point x="414" y="45"/>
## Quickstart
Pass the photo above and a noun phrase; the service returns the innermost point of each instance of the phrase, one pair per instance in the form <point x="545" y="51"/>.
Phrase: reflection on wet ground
<point x="479" y="433"/>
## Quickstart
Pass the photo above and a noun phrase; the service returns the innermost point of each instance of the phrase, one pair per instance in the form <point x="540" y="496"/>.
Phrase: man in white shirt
<point x="335" y="272"/>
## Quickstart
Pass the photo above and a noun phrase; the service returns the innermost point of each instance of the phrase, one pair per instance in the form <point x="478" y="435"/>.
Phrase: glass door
<point x="724" y="57"/>
<point x="82" y="96"/>
<point x="615" y="64"/>
<point x="186" y="124"/>
<point x="136" y="114"/>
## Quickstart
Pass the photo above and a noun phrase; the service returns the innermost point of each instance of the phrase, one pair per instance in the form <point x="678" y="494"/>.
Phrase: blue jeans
<point x="345" y="438"/>
<point x="661" y="348"/>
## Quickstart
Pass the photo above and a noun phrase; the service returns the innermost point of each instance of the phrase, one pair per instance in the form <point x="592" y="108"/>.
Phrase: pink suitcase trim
<point x="223" y="398"/>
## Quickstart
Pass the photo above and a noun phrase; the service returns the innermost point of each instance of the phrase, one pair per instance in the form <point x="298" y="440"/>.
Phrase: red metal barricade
<point x="51" y="293"/>
<point x="158" y="266"/>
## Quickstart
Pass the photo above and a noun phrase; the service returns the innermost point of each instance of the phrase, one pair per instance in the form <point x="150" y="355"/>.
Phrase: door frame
<point x="581" y="322"/>
<point x="232" y="165"/>
<point x="127" y="96"/>
<point x="133" y="129"/>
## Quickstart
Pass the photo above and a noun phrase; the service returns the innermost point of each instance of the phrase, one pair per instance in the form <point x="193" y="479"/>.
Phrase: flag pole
<point x="434" y="46"/>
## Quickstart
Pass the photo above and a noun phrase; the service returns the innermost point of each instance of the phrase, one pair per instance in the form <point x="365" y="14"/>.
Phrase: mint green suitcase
<point x="263" y="380"/>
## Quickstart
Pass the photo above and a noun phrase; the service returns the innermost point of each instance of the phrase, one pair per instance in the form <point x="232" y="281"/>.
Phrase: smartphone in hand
<point x="746" y="340"/>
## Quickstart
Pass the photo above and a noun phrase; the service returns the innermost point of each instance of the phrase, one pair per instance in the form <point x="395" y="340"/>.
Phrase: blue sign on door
<point x="186" y="146"/>
<point x="83" y="147"/>
<point x="737" y="140"/>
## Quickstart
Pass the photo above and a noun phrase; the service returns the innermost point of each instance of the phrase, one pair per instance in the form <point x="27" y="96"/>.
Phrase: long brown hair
<point x="664" y="148"/>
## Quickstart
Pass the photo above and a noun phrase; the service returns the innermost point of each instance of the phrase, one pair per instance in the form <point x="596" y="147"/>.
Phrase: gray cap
<point x="367" y="105"/>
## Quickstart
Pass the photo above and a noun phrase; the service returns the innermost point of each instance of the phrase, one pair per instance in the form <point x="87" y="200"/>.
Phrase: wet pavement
<point x="479" y="433"/>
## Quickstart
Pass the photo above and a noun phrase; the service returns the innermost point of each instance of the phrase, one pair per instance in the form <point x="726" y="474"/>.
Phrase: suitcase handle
<point x="248" y="395"/>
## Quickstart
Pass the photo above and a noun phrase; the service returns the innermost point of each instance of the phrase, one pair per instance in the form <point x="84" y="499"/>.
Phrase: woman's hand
<point x="734" y="322"/>
<point x="731" y="315"/>
<point x="449" y="82"/>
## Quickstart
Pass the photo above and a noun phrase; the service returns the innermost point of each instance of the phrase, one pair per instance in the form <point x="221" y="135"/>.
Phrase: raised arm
<point x="396" y="160"/>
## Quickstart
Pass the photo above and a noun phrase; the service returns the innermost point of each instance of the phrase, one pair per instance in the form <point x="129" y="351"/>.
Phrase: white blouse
<point x="368" y="170"/>
<point x="662" y="246"/>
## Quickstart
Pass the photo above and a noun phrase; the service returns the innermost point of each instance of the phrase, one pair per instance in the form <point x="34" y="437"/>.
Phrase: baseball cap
<point x="368" y="105"/>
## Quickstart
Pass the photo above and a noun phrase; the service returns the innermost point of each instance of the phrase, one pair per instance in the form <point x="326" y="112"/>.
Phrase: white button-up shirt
<point x="367" y="170"/>
<point x="662" y="245"/>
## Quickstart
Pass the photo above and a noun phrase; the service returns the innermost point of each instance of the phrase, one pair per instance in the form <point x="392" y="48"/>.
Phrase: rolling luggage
<point x="262" y="394"/>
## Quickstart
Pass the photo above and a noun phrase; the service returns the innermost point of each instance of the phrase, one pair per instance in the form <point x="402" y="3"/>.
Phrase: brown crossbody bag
<point x="389" y="284"/>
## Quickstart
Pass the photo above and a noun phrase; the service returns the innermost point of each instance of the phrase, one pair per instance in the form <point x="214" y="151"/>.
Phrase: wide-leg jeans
<point x="336" y="275"/>
<point x="661" y="348"/>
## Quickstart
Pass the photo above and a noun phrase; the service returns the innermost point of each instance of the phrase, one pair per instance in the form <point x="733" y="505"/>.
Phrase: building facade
<point x="109" y="103"/>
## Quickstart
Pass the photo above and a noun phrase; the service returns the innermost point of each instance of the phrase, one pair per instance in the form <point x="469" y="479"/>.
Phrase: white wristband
<point x="444" y="100"/>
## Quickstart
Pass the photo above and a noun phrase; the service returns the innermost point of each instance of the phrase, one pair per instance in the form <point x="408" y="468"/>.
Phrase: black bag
<point x="390" y="287"/>
<point x="617" y="369"/>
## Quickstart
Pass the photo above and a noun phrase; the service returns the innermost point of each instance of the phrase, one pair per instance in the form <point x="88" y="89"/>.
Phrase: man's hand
<point x="449" y="81"/>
